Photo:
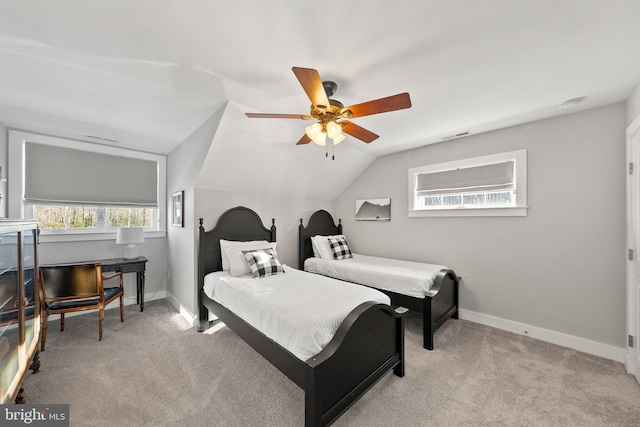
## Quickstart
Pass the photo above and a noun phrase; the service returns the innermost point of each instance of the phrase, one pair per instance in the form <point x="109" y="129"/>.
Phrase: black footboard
<point x="369" y="343"/>
<point x="436" y="308"/>
<point x="441" y="306"/>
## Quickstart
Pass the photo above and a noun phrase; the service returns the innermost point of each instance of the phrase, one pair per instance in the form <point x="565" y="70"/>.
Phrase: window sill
<point x="432" y="213"/>
<point x="70" y="236"/>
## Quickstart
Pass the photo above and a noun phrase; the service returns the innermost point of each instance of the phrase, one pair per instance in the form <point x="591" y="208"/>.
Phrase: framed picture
<point x="177" y="209"/>
<point x="373" y="210"/>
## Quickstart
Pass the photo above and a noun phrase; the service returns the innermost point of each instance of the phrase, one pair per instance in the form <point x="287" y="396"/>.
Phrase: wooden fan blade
<point x="304" y="140"/>
<point x="312" y="85"/>
<point x="358" y="131"/>
<point x="278" y="116"/>
<point x="382" y="105"/>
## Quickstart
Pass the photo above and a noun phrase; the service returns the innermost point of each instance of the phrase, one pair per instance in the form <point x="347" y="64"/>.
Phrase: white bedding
<point x="299" y="311"/>
<point x="403" y="277"/>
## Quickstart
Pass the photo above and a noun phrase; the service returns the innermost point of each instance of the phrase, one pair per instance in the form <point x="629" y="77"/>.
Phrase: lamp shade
<point x="129" y="235"/>
<point x="333" y="130"/>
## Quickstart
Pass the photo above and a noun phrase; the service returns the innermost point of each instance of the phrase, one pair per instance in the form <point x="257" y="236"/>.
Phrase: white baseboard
<point x="184" y="312"/>
<point x="129" y="300"/>
<point x="631" y="365"/>
<point x="587" y="346"/>
<point x="191" y="318"/>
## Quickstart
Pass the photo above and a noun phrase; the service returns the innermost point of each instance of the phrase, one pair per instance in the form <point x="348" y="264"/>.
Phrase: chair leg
<point x="45" y="322"/>
<point x="61" y="322"/>
<point x="122" y="307"/>
<point x="101" y="317"/>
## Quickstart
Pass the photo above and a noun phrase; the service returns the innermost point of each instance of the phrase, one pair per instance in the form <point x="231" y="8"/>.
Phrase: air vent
<point x="101" y="138"/>
<point x="457" y="135"/>
<point x="572" y="103"/>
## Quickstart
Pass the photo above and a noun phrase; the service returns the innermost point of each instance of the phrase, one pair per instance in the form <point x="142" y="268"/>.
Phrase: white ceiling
<point x="149" y="72"/>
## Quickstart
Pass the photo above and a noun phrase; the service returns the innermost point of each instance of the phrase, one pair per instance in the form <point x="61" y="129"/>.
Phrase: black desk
<point x="124" y="265"/>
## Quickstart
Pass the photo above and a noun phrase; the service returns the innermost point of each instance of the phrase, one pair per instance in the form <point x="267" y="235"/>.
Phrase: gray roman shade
<point x="64" y="176"/>
<point x="497" y="176"/>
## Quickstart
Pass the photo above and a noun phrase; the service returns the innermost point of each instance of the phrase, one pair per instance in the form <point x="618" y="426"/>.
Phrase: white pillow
<point x="238" y="264"/>
<point x="231" y="243"/>
<point x="314" y="246"/>
<point x="322" y="246"/>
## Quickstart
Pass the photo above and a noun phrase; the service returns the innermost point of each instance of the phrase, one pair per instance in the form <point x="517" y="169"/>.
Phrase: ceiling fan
<point x="331" y="114"/>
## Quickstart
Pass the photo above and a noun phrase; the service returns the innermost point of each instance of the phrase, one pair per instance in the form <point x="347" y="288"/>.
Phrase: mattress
<point x="403" y="277"/>
<point x="298" y="310"/>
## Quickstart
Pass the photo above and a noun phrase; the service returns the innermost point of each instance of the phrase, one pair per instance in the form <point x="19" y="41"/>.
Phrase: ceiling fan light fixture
<point x="316" y="134"/>
<point x="333" y="130"/>
<point x="313" y="131"/>
<point x="327" y="111"/>
<point x="320" y="139"/>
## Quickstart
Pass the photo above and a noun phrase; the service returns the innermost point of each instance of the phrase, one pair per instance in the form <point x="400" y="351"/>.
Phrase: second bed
<point x="427" y="288"/>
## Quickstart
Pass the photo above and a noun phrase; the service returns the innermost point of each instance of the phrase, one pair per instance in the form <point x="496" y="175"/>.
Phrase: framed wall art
<point x="373" y="210"/>
<point x="177" y="209"/>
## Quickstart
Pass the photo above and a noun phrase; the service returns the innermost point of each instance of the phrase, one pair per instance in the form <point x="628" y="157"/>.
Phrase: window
<point x="492" y="185"/>
<point x="72" y="187"/>
<point x="91" y="217"/>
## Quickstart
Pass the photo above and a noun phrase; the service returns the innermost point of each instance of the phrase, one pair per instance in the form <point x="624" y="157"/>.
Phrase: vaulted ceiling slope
<point x="147" y="73"/>
<point x="254" y="160"/>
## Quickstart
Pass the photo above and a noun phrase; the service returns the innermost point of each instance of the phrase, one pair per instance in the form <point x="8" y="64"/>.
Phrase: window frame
<point x="520" y="180"/>
<point x="16" y="182"/>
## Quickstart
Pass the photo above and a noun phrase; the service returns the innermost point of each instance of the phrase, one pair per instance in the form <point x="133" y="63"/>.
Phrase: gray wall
<point x="633" y="106"/>
<point x="3" y="164"/>
<point x="562" y="267"/>
<point x="183" y="167"/>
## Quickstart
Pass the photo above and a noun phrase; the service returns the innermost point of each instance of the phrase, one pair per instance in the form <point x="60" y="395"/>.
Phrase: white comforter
<point x="404" y="277"/>
<point x="299" y="311"/>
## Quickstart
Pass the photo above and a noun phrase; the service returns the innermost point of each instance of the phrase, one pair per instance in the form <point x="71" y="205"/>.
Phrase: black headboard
<point x="321" y="222"/>
<point x="237" y="223"/>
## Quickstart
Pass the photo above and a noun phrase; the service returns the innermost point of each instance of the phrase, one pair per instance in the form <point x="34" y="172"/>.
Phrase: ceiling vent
<point x="572" y="103"/>
<point x="101" y="138"/>
<point x="457" y="135"/>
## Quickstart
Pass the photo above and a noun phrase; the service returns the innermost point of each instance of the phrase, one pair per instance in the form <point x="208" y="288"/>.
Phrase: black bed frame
<point x="435" y="309"/>
<point x="368" y="344"/>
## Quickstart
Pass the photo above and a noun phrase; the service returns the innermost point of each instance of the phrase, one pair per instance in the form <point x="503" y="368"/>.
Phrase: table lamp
<point x="130" y="236"/>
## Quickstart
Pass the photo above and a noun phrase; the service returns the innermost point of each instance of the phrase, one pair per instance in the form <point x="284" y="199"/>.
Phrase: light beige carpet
<point x="155" y="370"/>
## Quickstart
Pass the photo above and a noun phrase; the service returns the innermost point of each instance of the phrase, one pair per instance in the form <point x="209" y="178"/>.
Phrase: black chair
<point x="71" y="288"/>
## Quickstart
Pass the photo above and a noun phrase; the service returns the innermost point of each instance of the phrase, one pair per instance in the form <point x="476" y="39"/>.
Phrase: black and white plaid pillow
<point x="263" y="262"/>
<point x="340" y="248"/>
